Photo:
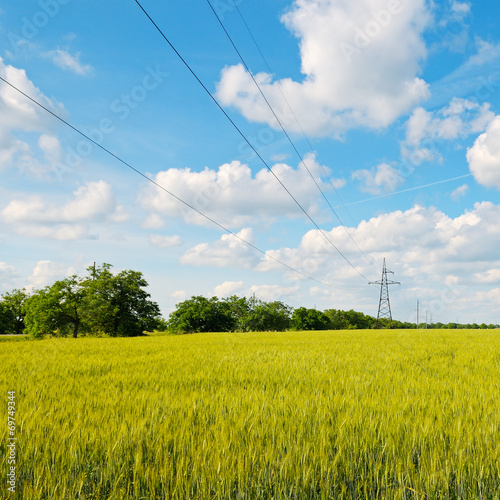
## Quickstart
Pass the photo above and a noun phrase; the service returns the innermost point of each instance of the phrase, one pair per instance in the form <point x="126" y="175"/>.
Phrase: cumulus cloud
<point x="490" y="276"/>
<point x="230" y="251"/>
<point x="382" y="179"/>
<point x="165" y="241"/>
<point x="459" y="119"/>
<point x="484" y="156"/>
<point x="18" y="114"/>
<point x="35" y="217"/>
<point x="270" y="293"/>
<point x="460" y="10"/>
<point x="232" y="195"/>
<point x="449" y="263"/>
<point x="47" y="272"/>
<point x="7" y="275"/>
<point x="51" y="147"/>
<point x="12" y="149"/>
<point x="5" y="269"/>
<point x="65" y="60"/>
<point x="228" y="288"/>
<point x="262" y="292"/>
<point x="360" y="61"/>
<point x="453" y="12"/>
<point x="423" y="243"/>
<point x="179" y="295"/>
<point x="459" y="192"/>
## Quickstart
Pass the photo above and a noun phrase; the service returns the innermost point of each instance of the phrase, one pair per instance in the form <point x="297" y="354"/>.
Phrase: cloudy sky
<point x="373" y="131"/>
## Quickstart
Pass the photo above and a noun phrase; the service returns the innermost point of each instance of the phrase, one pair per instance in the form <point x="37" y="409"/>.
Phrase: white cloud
<point x="484" y="156"/>
<point x="460" y="9"/>
<point x="47" y="272"/>
<point x="455" y="12"/>
<point x="93" y="202"/>
<point x="233" y="196"/>
<point x="179" y="295"/>
<point x="153" y="221"/>
<point x="476" y="79"/>
<point x="165" y="241"/>
<point x="270" y="293"/>
<point x="11" y="148"/>
<point x="229" y="251"/>
<point x="262" y="292"/>
<point x="51" y="147"/>
<point x="17" y="115"/>
<point x="424" y="243"/>
<point x="17" y="112"/>
<point x="459" y="119"/>
<point x="447" y="263"/>
<point x="62" y="232"/>
<point x="490" y="276"/>
<point x="7" y="275"/>
<point x="360" y="61"/>
<point x="280" y="157"/>
<point x="459" y="192"/>
<point x="382" y="179"/>
<point x="67" y="61"/>
<point x="228" y="288"/>
<point x="491" y="298"/>
<point x="5" y="269"/>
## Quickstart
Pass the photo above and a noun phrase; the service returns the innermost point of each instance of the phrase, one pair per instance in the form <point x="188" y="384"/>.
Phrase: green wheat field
<point x="295" y="415"/>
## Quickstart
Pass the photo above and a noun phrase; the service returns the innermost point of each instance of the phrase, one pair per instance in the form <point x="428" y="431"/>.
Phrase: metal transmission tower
<point x="384" y="306"/>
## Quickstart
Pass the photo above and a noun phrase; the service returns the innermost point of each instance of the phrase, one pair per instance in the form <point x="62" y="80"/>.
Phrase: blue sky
<point x="392" y="105"/>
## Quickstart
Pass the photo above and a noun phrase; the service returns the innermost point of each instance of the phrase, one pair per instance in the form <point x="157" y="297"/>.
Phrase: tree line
<point x="100" y="303"/>
<point x="104" y="303"/>
<point x="199" y="314"/>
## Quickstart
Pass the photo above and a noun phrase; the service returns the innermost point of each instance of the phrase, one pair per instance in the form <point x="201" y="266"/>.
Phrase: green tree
<point x="101" y="303"/>
<point x="55" y="310"/>
<point x="199" y="314"/>
<point x="266" y="316"/>
<point x="309" y="319"/>
<point x="240" y="308"/>
<point x="338" y="319"/>
<point x="349" y="320"/>
<point x="118" y="305"/>
<point x="14" y="301"/>
<point x="7" y="320"/>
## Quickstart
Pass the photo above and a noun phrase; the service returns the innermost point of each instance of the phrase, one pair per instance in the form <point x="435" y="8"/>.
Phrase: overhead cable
<point x="240" y="132"/>
<point x="162" y="188"/>
<point x="296" y="120"/>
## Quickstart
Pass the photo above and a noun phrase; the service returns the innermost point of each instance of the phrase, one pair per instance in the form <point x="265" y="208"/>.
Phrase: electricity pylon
<point x="384" y="306"/>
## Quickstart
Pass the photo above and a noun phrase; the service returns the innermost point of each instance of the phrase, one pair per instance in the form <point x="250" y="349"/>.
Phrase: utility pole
<point x="384" y="306"/>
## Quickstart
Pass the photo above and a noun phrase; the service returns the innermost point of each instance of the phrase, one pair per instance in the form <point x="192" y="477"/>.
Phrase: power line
<point x="283" y="95"/>
<point x="159" y="186"/>
<point x="245" y="138"/>
<point x="281" y="124"/>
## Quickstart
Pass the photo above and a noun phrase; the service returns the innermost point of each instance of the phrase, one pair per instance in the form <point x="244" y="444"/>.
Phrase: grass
<point x="299" y="415"/>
